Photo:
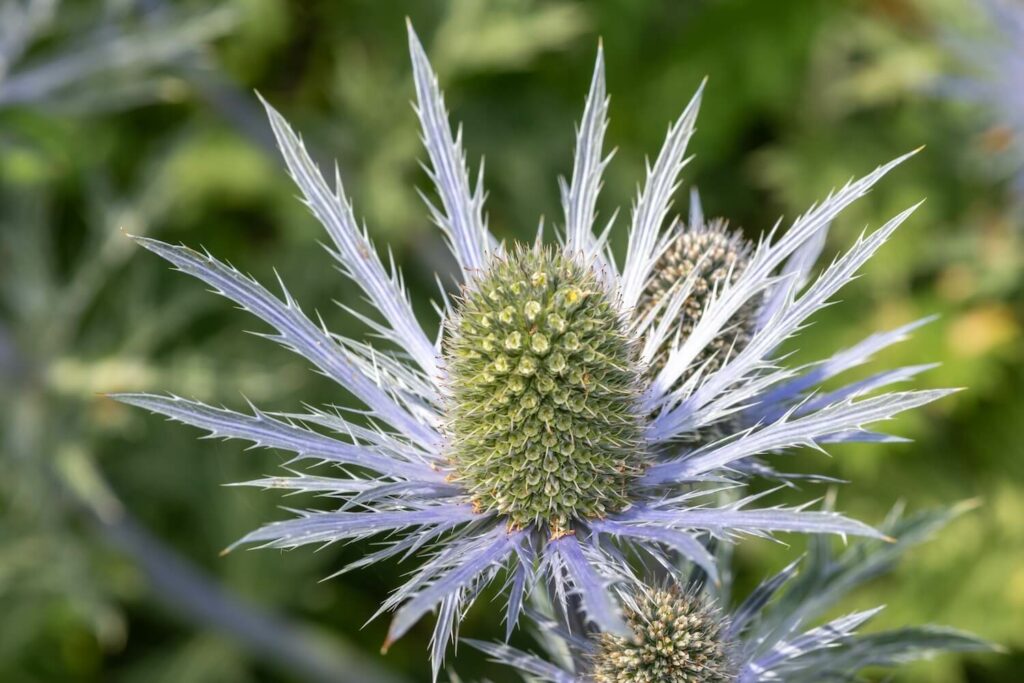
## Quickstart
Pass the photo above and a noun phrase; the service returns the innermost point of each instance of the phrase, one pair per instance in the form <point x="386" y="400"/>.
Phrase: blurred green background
<point x="139" y="116"/>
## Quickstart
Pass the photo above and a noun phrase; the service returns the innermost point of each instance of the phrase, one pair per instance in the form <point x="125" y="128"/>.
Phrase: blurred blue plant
<point x="995" y="59"/>
<point x="684" y="633"/>
<point x="60" y="510"/>
<point x="561" y="415"/>
<point x="120" y="53"/>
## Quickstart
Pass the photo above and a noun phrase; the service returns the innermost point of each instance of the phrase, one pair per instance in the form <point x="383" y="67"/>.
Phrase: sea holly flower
<point x="685" y="633"/>
<point x="537" y="437"/>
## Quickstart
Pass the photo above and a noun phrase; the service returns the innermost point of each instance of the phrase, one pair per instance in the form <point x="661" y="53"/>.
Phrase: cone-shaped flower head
<point x="678" y="637"/>
<point x="548" y="429"/>
<point x="543" y="391"/>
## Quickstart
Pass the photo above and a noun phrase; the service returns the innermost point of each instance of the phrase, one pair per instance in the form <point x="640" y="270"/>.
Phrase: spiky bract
<point x="714" y="256"/>
<point x="768" y="637"/>
<point x="542" y="393"/>
<point x="678" y="638"/>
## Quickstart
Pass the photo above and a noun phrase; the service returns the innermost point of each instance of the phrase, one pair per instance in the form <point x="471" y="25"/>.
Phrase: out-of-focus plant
<point x="62" y="520"/>
<point x="72" y="557"/>
<point x="97" y="56"/>
<point x="991" y="57"/>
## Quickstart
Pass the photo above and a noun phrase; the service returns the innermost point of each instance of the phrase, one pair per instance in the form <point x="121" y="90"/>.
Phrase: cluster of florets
<point x="715" y="256"/>
<point x="543" y="425"/>
<point x="678" y="638"/>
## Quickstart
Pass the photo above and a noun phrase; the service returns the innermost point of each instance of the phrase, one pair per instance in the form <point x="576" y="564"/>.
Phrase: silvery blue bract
<point x="684" y="634"/>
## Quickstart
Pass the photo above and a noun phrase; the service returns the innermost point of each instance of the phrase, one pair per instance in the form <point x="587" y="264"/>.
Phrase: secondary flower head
<point x="678" y="636"/>
<point x="551" y="424"/>
<point x="715" y="257"/>
<point x="685" y="635"/>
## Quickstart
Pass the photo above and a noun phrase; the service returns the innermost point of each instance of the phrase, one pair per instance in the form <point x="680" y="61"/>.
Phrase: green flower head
<point x="543" y="422"/>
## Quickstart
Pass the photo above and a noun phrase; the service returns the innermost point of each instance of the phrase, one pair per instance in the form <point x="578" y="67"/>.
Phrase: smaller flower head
<point x="543" y="390"/>
<point x="705" y="258"/>
<point x="678" y="637"/>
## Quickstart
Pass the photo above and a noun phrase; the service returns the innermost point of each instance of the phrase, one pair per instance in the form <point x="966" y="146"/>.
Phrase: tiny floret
<point x="542" y="396"/>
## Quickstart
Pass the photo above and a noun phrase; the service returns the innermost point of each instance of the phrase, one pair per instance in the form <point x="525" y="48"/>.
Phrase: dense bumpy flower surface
<point x="681" y="637"/>
<point x="430" y="462"/>
<point x="713" y="257"/>
<point x="543" y="391"/>
<point x="678" y="637"/>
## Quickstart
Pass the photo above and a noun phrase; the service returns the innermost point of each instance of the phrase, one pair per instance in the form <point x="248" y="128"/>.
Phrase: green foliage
<point x="542" y="395"/>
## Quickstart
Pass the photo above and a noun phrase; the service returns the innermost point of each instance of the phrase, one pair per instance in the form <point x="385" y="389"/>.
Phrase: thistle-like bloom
<point x="683" y="635"/>
<point x="538" y="436"/>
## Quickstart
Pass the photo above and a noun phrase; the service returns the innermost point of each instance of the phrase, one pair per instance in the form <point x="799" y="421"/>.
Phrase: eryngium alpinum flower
<point x="684" y="634"/>
<point x="532" y="437"/>
<point x="542" y="393"/>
